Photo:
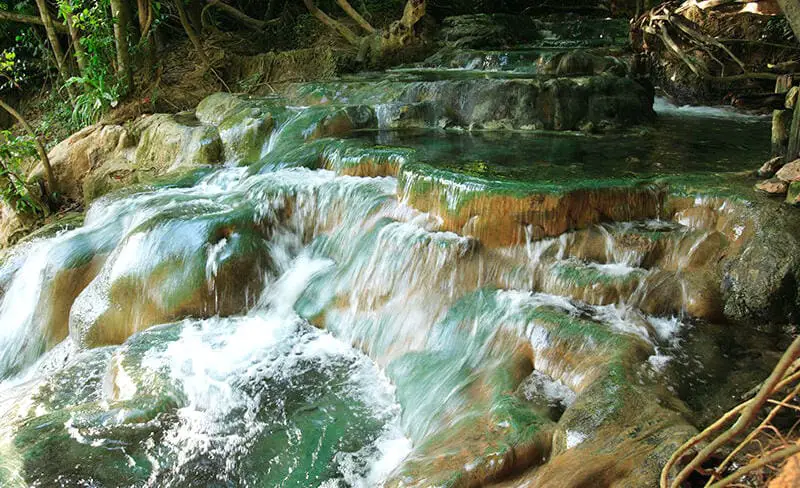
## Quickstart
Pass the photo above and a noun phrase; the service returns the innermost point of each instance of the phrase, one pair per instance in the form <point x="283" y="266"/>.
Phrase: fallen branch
<point x="658" y="23"/>
<point x="682" y="25"/>
<point x="31" y="19"/>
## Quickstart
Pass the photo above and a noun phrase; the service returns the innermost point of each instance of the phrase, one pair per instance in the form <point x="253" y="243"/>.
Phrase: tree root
<point x="673" y="30"/>
<point x="785" y="374"/>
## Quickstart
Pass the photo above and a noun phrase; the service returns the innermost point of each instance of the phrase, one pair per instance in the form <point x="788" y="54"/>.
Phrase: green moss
<point x="793" y="195"/>
<point x="581" y="275"/>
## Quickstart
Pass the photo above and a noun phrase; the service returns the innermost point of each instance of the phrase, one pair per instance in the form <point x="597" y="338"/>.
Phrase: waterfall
<point x="336" y="313"/>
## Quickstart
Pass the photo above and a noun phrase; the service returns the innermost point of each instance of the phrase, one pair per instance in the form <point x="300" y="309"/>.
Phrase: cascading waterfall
<point x="332" y="316"/>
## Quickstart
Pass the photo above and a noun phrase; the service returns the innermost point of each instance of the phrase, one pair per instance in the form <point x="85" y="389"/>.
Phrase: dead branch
<point x="673" y="30"/>
<point x="333" y="24"/>
<point x="353" y="13"/>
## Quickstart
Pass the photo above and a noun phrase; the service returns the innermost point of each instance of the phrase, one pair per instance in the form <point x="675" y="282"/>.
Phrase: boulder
<point x="172" y="142"/>
<point x="760" y="284"/>
<point x="166" y="144"/>
<point x="771" y="167"/>
<point x="773" y="187"/>
<point x="245" y="134"/>
<point x="789" y="475"/>
<point x="12" y="224"/>
<point x="555" y="104"/>
<point x="77" y="156"/>
<point x="219" y="261"/>
<point x="217" y="106"/>
<point x="790" y="172"/>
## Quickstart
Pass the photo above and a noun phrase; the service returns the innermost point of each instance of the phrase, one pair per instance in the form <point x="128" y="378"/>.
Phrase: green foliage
<point x="8" y="69"/>
<point x="7" y="61"/>
<point x="99" y="90"/>
<point x="97" y="97"/>
<point x="24" y="42"/>
<point x="14" y="151"/>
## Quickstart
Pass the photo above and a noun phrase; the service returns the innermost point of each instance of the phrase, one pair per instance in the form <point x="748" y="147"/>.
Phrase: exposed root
<point x="666" y="26"/>
<point x="786" y="375"/>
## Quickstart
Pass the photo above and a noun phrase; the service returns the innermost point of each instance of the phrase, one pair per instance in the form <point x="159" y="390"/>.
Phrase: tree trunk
<point x="791" y="9"/>
<point x="194" y="11"/>
<point x="333" y="24"/>
<point x="31" y="19"/>
<point x="272" y="8"/>
<point x="187" y="26"/>
<point x="48" y="170"/>
<point x="353" y="13"/>
<point x="121" y="22"/>
<point x="55" y="44"/>
<point x="146" y="39"/>
<point x="80" y="52"/>
<point x="781" y="119"/>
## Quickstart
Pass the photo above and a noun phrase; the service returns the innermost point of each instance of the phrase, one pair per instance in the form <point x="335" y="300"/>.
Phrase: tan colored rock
<point x="773" y="186"/>
<point x="166" y="143"/>
<point x="172" y="142"/>
<point x="12" y="225"/>
<point x="790" y="172"/>
<point x="771" y="167"/>
<point x="789" y="475"/>
<point x="101" y="158"/>
<point x="81" y="153"/>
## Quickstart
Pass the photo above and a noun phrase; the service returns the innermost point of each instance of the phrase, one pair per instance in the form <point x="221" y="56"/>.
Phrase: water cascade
<point x="353" y="296"/>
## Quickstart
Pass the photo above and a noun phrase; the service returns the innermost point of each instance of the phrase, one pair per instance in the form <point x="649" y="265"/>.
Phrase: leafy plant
<point x="99" y="91"/>
<point x="14" y="151"/>
<point x="97" y="97"/>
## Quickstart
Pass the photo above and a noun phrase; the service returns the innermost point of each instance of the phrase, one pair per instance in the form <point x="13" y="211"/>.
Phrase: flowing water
<point x="321" y="312"/>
